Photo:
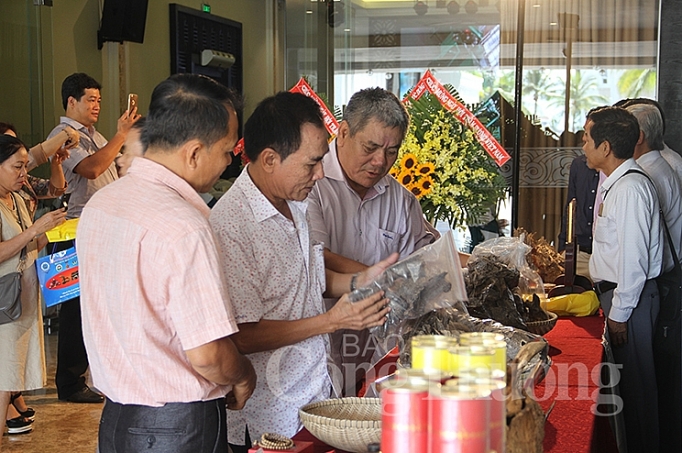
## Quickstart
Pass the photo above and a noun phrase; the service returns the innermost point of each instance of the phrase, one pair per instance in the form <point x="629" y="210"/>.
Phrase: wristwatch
<point x="353" y="281"/>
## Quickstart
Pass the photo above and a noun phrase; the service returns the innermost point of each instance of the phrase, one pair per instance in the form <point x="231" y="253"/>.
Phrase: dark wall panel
<point x="193" y="31"/>
<point x="670" y="71"/>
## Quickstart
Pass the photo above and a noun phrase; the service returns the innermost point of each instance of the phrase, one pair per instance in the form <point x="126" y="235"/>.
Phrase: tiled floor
<point x="59" y="427"/>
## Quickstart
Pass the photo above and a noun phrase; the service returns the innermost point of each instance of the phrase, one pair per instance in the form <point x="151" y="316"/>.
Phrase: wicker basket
<point x="346" y="423"/>
<point x="542" y="327"/>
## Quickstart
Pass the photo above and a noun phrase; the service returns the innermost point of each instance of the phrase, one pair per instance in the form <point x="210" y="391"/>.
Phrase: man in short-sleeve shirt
<point x="275" y="271"/>
<point x="362" y="214"/>
<point x="90" y="167"/>
<point x="156" y="314"/>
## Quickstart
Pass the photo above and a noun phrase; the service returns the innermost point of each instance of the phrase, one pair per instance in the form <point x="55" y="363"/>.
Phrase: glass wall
<point x="21" y="69"/>
<point x="577" y="54"/>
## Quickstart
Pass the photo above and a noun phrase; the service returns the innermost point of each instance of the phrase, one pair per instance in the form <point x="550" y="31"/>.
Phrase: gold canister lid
<point x="477" y="337"/>
<point x="460" y="391"/>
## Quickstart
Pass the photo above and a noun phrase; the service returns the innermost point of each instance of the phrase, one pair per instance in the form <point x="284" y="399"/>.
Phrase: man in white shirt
<point x="668" y="186"/>
<point x="627" y="255"/>
<point x="90" y="167"/>
<point x="669" y="191"/>
<point x="671" y="156"/>
<point x="275" y="270"/>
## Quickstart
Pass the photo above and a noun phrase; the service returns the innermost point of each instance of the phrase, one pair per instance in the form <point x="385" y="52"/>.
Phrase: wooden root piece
<point x="525" y="425"/>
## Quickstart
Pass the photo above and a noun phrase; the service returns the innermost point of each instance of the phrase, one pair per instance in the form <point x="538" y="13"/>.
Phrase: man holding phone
<point x="89" y="167"/>
<point x="132" y="102"/>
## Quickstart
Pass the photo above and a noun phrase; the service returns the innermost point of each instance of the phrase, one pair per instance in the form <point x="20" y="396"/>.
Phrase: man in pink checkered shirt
<point x="157" y="318"/>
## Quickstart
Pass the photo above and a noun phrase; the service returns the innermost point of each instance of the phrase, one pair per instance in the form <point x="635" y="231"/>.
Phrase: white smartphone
<point x="132" y="101"/>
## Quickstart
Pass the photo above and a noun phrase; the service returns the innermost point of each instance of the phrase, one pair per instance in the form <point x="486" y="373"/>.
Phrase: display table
<point x="320" y="447"/>
<point x="571" y="384"/>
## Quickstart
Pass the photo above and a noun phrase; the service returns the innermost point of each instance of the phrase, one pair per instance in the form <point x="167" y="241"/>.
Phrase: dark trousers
<point x="637" y="383"/>
<point x="198" y="427"/>
<point x="476" y="232"/>
<point x="72" y="360"/>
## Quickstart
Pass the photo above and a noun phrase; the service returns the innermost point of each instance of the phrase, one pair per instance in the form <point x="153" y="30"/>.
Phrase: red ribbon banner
<point x="302" y="87"/>
<point x="330" y="122"/>
<point x="429" y="83"/>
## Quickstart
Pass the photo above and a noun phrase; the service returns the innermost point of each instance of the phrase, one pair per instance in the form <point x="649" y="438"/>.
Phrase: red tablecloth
<point x="320" y="447"/>
<point x="572" y="384"/>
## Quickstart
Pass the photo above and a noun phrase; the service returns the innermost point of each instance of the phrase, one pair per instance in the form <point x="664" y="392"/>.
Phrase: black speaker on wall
<point x="122" y="20"/>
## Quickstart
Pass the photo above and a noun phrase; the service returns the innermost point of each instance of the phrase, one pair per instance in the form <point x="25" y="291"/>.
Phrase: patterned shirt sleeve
<point x="240" y="267"/>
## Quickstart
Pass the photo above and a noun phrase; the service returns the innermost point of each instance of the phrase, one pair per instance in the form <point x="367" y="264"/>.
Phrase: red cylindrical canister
<point x="404" y="417"/>
<point x="497" y="410"/>
<point x="498" y="415"/>
<point x="458" y="420"/>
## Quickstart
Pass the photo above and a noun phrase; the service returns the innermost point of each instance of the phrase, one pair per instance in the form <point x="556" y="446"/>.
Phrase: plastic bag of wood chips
<point x="429" y="279"/>
<point x="512" y="252"/>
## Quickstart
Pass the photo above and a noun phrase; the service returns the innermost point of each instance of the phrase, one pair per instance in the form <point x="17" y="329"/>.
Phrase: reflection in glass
<point x="607" y="47"/>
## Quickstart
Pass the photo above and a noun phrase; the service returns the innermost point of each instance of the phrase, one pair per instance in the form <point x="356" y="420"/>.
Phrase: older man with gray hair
<point x="671" y="156"/>
<point x="669" y="190"/>
<point x="360" y="213"/>
<point x="668" y="186"/>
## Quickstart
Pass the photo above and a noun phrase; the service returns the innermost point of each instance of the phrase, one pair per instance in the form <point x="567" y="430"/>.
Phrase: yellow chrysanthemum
<point x="408" y="162"/>
<point x="426" y="168"/>
<point x="406" y="178"/>
<point x="447" y="169"/>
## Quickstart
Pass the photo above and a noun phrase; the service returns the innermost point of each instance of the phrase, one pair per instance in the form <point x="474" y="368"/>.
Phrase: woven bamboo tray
<point x="542" y="327"/>
<point x="346" y="423"/>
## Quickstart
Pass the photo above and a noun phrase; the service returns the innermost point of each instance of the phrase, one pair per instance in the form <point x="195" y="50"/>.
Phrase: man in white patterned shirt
<point x="277" y="276"/>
